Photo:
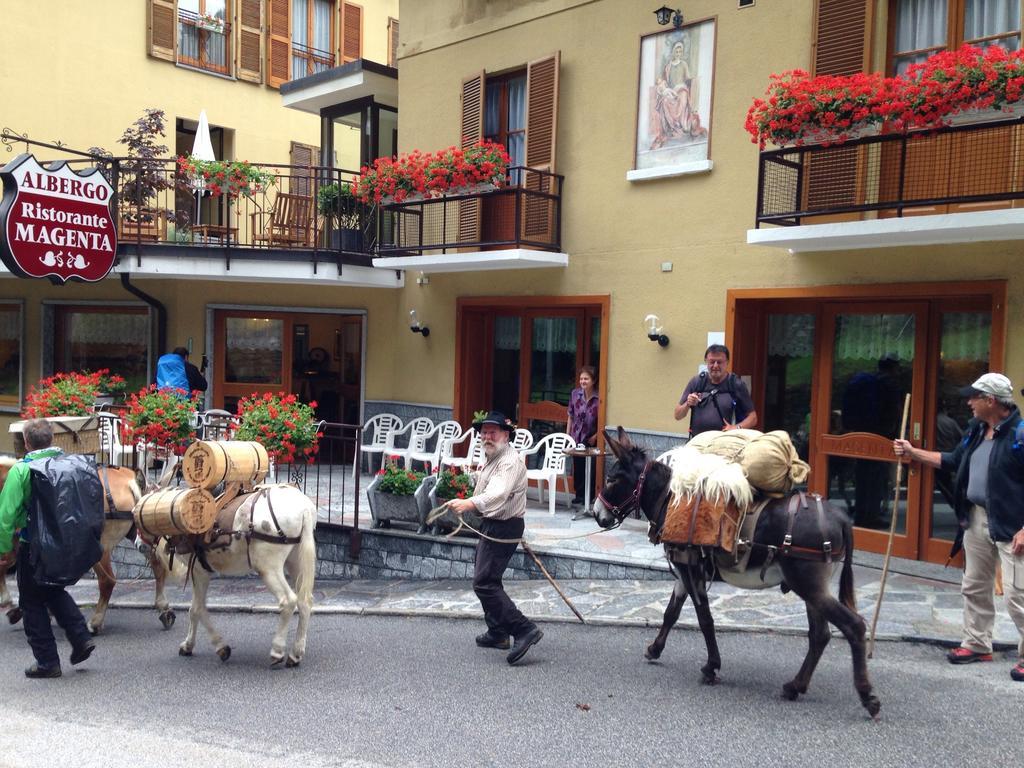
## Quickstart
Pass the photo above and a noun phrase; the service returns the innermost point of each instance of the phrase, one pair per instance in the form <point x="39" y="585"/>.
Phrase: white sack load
<point x="772" y="463"/>
<point x="728" y="444"/>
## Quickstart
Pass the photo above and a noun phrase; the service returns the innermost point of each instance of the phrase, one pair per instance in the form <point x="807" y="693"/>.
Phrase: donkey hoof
<point x="708" y="676"/>
<point x="224" y="652"/>
<point x="276" y="658"/>
<point x="167" y="618"/>
<point x="873" y="706"/>
<point x="790" y="692"/>
<point x="292" y="661"/>
<point x="14" y="616"/>
<point x="183" y="651"/>
<point x="653" y="652"/>
<point x="93" y="629"/>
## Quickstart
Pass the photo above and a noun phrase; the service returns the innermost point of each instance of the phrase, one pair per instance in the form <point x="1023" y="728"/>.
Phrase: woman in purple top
<point x="583" y="426"/>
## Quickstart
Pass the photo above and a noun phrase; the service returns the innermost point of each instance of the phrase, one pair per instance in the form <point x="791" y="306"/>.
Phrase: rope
<point x="439" y="511"/>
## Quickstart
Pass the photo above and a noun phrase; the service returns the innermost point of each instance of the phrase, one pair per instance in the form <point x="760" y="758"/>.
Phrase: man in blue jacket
<point x="174" y="371"/>
<point x="989" y="504"/>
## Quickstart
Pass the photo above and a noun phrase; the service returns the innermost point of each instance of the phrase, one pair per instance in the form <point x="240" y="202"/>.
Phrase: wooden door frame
<point x="813" y="299"/>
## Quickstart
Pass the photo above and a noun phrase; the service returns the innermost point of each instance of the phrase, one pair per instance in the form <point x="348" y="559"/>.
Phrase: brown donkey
<point x="800" y="565"/>
<point x="121" y="491"/>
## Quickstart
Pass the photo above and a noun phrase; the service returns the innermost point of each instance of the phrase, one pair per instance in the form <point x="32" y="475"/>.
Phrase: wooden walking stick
<point x="892" y="530"/>
<point x="558" y="589"/>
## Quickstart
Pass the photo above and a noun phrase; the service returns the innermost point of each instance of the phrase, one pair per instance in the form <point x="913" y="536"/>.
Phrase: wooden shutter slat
<point x="841" y="37"/>
<point x="472" y="130"/>
<point x="163" y="29"/>
<point x="279" y="43"/>
<point x="392" y="42"/>
<point x="303" y="157"/>
<point x="250" y="41"/>
<point x="541" y="141"/>
<point x="351" y="32"/>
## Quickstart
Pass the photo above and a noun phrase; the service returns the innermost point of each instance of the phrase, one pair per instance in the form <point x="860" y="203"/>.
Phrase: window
<point x="10" y="355"/>
<point x="312" y="37"/>
<point x="204" y="35"/>
<point x="505" y="115"/>
<point x="88" y="338"/>
<point x="921" y="28"/>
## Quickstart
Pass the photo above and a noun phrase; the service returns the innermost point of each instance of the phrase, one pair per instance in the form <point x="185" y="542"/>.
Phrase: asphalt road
<point x="403" y="691"/>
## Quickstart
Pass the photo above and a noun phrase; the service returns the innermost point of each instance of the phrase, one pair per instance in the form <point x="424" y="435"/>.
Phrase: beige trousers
<point x="981" y="555"/>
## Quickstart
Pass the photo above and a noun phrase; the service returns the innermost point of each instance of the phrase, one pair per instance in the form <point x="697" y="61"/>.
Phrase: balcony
<point x="173" y="226"/>
<point x="962" y="183"/>
<point x="204" y="42"/>
<point x="515" y="226"/>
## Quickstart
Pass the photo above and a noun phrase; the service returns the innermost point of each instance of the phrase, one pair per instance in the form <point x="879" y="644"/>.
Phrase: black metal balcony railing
<point x="204" y="45"/>
<point x="976" y="165"/>
<point x="524" y="214"/>
<point x="308" y="61"/>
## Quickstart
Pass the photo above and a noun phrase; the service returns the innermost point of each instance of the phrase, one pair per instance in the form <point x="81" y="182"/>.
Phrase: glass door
<point x="250" y="356"/>
<point x="548" y="372"/>
<point x="874" y="356"/>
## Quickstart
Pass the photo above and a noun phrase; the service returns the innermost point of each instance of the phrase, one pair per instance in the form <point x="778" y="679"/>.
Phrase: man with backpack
<point x="38" y="598"/>
<point x="716" y="399"/>
<point x="174" y="371"/>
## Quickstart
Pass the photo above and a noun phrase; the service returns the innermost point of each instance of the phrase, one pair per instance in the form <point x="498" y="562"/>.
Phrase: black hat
<point x="496" y="417"/>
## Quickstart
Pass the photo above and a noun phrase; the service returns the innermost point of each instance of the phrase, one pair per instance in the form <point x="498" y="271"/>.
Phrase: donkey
<point x="121" y="492"/>
<point x="270" y="532"/>
<point x="636" y="482"/>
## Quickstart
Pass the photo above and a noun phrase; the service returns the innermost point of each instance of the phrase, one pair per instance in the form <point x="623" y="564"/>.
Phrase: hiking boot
<point x="491" y="639"/>
<point x="966" y="656"/>
<point x="80" y="654"/>
<point x="1017" y="673"/>
<point x="36" y="671"/>
<point x="523" y="643"/>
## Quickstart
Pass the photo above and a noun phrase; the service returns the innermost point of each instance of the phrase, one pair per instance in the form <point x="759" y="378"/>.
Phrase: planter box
<point x="72" y="434"/>
<point x="347" y="240"/>
<point x="387" y="507"/>
<point x="449" y="521"/>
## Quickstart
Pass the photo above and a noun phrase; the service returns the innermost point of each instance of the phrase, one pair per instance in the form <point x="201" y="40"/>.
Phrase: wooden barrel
<point x="209" y="462"/>
<point x="175" y="511"/>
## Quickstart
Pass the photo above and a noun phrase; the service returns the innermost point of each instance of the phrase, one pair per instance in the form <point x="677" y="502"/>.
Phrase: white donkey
<point x="269" y="532"/>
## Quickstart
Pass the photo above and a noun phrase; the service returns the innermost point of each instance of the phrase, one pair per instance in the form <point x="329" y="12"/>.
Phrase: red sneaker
<point x="967" y="656"/>
<point x="1017" y="673"/>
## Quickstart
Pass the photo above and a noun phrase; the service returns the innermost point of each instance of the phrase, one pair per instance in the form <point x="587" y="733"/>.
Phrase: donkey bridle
<point x="632" y="501"/>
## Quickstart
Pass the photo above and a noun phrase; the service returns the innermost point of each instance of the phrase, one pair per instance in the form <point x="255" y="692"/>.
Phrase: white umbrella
<point x="202" y="149"/>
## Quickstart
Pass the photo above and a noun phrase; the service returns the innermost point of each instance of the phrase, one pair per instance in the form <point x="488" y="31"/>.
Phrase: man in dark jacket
<point x="989" y="504"/>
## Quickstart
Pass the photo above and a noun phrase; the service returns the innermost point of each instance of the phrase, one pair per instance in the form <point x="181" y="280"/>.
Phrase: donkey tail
<point x="306" y="566"/>
<point x="847" y="595"/>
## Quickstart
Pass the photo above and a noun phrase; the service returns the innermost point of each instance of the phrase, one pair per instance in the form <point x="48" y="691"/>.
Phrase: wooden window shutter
<point x="351" y="32"/>
<point x="541" y="139"/>
<point x="163" y="29"/>
<point x="840" y="47"/>
<point x="472" y="130"/>
<point x="392" y="42"/>
<point x="303" y="158"/>
<point x="279" y="43"/>
<point x="250" y="41"/>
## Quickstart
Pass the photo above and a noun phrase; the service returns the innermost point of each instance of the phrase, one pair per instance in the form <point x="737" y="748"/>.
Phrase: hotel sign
<point x="56" y="223"/>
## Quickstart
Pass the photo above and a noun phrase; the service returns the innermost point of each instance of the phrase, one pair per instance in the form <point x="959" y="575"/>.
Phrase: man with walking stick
<point x="500" y="498"/>
<point x="989" y="503"/>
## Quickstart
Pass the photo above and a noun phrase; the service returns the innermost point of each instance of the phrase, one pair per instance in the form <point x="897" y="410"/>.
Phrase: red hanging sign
<point x="56" y="223"/>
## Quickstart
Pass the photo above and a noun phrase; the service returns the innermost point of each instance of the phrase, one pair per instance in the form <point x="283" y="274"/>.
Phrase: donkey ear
<point x="624" y="440"/>
<point x="612" y="443"/>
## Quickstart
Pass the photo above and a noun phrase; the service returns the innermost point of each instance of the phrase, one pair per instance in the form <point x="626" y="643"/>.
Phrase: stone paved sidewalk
<point x="915" y="608"/>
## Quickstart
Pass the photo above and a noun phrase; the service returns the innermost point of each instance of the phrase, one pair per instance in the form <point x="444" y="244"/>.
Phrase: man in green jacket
<point x="37" y="601"/>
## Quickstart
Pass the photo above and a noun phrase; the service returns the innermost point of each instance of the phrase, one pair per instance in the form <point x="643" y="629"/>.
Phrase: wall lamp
<point x="666" y="14"/>
<point x="655" y="331"/>
<point x="416" y="326"/>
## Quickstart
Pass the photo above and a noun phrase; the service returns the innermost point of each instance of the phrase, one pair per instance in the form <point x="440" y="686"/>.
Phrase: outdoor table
<point x="587" y="453"/>
<point x="215" y="232"/>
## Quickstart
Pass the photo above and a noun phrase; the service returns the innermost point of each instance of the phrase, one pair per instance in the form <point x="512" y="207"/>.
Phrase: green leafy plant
<point x="479" y="415"/>
<point x="234" y="178"/>
<point x="287" y="428"/>
<point x="453" y="484"/>
<point x="397" y="481"/>
<point x="63" y="394"/>
<point x="160" y="417"/>
<point x="339" y="203"/>
<point x="112" y="384"/>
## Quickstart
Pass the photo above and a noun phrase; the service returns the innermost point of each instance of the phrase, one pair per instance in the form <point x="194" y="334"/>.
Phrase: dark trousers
<point x="492" y="558"/>
<point x="37" y="602"/>
<point x="579" y="478"/>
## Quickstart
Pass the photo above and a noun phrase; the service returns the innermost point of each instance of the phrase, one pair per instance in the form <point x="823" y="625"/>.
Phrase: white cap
<point x="990" y="384"/>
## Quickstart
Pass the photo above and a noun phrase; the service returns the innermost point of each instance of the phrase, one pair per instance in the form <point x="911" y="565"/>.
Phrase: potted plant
<point x="391" y="496"/>
<point x="339" y="205"/>
<point x="234" y="178"/>
<point x="452" y="483"/>
<point x="67" y="400"/>
<point x="112" y="388"/>
<point x="164" y="418"/>
<point x="286" y="427"/>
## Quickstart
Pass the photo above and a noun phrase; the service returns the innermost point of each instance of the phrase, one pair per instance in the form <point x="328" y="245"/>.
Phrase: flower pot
<point x="974" y="115"/>
<point x="347" y="240"/>
<point x="387" y="507"/>
<point x="820" y="136"/>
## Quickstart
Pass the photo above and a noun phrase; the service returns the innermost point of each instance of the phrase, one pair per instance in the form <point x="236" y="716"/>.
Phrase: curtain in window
<point x="919" y="24"/>
<point x="492" y="110"/>
<point x="323" y="11"/>
<point x="506" y="333"/>
<point x="300" y="38"/>
<point x="984" y="18"/>
<point x="517" y="122"/>
<point x="554" y="334"/>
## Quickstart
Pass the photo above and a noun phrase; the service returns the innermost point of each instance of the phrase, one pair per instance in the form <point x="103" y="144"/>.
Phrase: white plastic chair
<point x="417" y="430"/>
<point x="522" y="440"/>
<point x="443" y="432"/>
<point x="668" y="459"/>
<point x="381" y="426"/>
<point x="553" y="466"/>
<point x="474" y="455"/>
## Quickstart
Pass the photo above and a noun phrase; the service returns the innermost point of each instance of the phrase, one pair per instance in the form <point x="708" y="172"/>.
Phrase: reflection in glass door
<point x="790" y="366"/>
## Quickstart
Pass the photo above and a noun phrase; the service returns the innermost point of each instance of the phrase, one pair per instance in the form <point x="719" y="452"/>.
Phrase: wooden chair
<point x="289" y="222"/>
<point x="146" y="224"/>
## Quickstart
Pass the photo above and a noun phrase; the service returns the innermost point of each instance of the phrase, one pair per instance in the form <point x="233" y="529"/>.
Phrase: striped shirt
<point x="500" y="491"/>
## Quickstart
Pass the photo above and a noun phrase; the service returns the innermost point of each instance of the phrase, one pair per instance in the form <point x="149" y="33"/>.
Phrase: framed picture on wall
<point x="676" y="82"/>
